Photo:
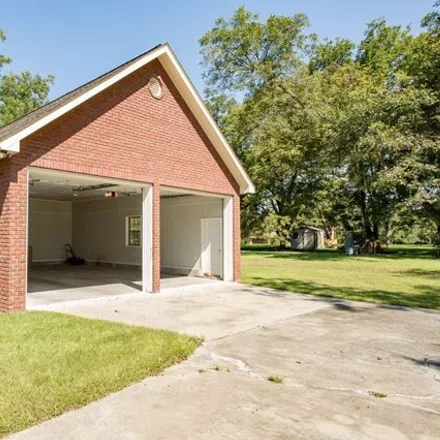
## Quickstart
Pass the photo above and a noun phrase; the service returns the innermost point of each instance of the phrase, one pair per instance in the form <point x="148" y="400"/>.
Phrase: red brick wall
<point x="121" y="133"/>
<point x="13" y="228"/>
<point x="5" y="210"/>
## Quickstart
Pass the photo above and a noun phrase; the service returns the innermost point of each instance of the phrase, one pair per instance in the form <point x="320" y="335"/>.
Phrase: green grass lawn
<point x="406" y="276"/>
<point x="51" y="362"/>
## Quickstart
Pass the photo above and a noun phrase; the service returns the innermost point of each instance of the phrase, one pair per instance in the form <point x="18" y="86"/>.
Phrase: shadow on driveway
<point x="427" y="296"/>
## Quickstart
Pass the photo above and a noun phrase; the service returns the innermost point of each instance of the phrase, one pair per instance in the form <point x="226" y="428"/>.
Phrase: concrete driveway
<point x="334" y="356"/>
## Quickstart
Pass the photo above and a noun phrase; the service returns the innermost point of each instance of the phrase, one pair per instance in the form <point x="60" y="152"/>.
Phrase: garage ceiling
<point x="51" y="185"/>
<point x="70" y="187"/>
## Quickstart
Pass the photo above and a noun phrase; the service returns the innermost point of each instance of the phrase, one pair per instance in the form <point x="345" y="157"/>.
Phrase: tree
<point x="377" y="138"/>
<point x="3" y="59"/>
<point x="289" y="155"/>
<point x="383" y="49"/>
<point x="379" y="112"/>
<point x="423" y="167"/>
<point x="331" y="54"/>
<point x="20" y="93"/>
<point x="330" y="131"/>
<point x="258" y="61"/>
<point x="243" y="54"/>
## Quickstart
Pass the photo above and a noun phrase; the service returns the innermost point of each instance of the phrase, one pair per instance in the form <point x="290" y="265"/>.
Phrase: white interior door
<point x="212" y="255"/>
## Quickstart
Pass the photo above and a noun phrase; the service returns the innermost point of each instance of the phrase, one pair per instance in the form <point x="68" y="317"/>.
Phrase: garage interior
<point x="102" y="222"/>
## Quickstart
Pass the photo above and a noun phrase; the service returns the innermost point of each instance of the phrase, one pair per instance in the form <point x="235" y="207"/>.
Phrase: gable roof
<point x="13" y="133"/>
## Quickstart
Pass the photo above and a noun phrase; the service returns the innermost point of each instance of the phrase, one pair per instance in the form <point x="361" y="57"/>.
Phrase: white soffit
<point x="183" y="84"/>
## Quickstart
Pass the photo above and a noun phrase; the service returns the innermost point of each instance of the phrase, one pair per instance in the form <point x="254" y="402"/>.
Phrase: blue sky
<point x="78" y="40"/>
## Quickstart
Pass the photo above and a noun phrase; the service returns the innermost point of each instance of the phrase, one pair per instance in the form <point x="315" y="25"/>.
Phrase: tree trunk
<point x="388" y="233"/>
<point x="366" y="220"/>
<point x="438" y="234"/>
<point x="437" y="241"/>
<point x="375" y="231"/>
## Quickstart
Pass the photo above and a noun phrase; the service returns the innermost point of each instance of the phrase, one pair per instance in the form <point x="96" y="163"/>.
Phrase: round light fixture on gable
<point x="155" y="87"/>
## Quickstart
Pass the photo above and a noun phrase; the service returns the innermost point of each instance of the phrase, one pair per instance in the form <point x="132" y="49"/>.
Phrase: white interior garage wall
<point x="99" y="229"/>
<point x="50" y="227"/>
<point x="180" y="222"/>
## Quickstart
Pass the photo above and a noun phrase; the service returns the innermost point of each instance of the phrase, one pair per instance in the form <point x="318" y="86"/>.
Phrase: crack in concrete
<point x="367" y="393"/>
<point x="244" y="367"/>
<point x="428" y="365"/>
<point x="247" y="369"/>
<point x="359" y="391"/>
<point x="409" y="396"/>
<point x="240" y="364"/>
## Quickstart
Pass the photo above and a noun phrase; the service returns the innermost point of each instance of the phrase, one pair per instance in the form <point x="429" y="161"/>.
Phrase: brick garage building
<point x="129" y="168"/>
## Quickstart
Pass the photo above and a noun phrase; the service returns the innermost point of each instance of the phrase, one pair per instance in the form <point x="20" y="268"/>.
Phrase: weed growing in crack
<point x="275" y="378"/>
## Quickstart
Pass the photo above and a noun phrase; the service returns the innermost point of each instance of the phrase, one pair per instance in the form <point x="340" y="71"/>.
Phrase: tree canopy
<point x="332" y="132"/>
<point x="20" y="93"/>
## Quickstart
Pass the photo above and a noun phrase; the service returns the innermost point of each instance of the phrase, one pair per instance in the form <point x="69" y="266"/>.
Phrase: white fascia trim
<point x="6" y="144"/>
<point x="198" y="107"/>
<point x="10" y="147"/>
<point x="228" y="239"/>
<point x="147" y="239"/>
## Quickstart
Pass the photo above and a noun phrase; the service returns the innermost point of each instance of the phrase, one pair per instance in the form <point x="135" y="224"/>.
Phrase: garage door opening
<point x="195" y="235"/>
<point x="103" y="221"/>
<point x="92" y="215"/>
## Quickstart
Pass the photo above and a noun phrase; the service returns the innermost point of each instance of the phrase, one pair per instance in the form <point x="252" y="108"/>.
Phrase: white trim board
<point x="192" y="192"/>
<point x="228" y="239"/>
<point x="175" y="71"/>
<point x="147" y="238"/>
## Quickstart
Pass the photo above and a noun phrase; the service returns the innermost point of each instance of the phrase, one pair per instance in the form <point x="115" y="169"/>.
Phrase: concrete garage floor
<point x="48" y="284"/>
<point x="331" y="354"/>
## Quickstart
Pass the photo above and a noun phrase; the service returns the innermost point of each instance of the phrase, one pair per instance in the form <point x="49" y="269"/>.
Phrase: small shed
<point x="308" y="238"/>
